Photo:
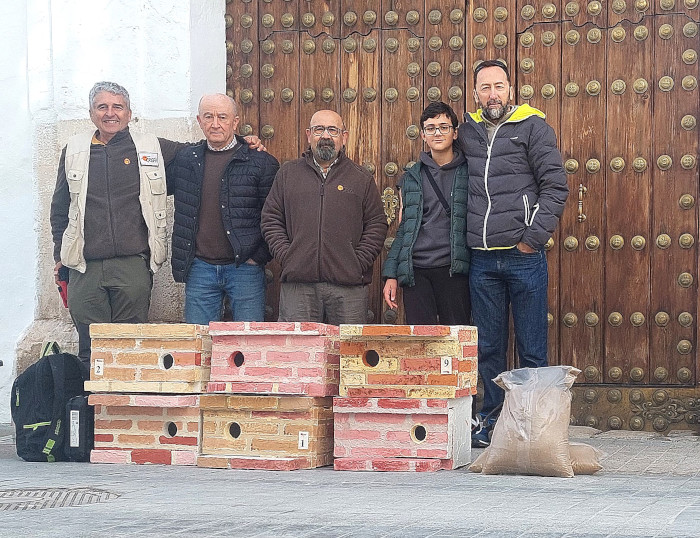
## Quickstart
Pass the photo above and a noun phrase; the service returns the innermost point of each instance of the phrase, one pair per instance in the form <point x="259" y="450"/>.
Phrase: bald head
<point x="328" y="118"/>
<point x="220" y="99"/>
<point x="218" y="119"/>
<point x="326" y="143"/>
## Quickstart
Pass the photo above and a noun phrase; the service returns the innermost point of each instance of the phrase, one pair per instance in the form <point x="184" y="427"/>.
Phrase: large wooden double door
<point x="618" y="82"/>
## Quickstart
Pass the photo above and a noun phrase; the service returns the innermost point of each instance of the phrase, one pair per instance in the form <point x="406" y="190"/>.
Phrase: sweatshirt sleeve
<point x="60" y="202"/>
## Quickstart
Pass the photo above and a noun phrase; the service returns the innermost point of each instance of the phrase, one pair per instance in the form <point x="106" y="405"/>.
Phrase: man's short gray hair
<point x="111" y="87"/>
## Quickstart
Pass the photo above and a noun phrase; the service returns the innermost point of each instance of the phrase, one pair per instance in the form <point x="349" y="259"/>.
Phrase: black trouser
<point x="437" y="298"/>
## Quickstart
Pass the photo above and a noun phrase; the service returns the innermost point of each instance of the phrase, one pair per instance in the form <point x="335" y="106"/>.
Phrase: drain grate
<point x="34" y="499"/>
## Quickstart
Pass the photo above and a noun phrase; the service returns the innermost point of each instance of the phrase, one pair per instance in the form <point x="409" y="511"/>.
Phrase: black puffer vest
<point x="399" y="261"/>
<point x="248" y="178"/>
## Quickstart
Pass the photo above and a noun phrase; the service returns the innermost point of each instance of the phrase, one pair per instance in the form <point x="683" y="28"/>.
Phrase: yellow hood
<point x="521" y="113"/>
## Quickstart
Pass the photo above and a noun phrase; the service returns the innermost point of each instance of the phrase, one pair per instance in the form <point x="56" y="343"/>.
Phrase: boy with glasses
<point x="429" y="257"/>
<point x="324" y="223"/>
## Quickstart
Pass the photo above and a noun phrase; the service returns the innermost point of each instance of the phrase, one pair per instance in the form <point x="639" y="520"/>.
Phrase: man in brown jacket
<point x="324" y="223"/>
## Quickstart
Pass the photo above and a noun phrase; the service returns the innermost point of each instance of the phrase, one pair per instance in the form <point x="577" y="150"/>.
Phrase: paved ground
<point x="649" y="487"/>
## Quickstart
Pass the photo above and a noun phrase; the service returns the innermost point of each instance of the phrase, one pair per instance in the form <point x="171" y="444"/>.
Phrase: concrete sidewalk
<point x="649" y="488"/>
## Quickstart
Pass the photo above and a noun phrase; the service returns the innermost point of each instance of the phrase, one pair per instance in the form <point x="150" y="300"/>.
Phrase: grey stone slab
<point x="585" y="535"/>
<point x="649" y="488"/>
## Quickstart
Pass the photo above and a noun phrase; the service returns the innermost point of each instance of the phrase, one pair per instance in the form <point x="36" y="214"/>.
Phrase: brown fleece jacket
<point x="324" y="230"/>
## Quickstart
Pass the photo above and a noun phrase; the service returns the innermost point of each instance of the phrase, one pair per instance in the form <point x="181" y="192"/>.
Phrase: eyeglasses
<point x="431" y="130"/>
<point x="318" y="130"/>
<point x="208" y="117"/>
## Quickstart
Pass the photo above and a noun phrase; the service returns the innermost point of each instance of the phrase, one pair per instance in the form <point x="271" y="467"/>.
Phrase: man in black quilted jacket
<point x="220" y="185"/>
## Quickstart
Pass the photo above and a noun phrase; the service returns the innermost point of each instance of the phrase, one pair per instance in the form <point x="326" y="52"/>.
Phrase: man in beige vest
<point x="108" y="216"/>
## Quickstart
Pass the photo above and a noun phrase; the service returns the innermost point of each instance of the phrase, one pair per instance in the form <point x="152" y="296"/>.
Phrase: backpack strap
<point x="50" y="348"/>
<point x="55" y="433"/>
<point x="441" y="197"/>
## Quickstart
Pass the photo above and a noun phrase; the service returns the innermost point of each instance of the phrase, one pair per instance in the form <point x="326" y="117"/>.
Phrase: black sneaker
<point x="482" y="429"/>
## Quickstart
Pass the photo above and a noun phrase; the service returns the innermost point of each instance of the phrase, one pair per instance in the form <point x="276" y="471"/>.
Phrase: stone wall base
<point x="40" y="331"/>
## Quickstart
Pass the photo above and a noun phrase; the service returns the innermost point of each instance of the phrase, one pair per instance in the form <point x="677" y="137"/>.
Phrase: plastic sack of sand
<point x="531" y="435"/>
<point x="585" y="459"/>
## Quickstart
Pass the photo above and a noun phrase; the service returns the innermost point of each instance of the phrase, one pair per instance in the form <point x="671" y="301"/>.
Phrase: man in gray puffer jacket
<point x="517" y="192"/>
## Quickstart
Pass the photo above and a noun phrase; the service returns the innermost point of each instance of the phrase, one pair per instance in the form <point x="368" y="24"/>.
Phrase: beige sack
<point x="478" y="464"/>
<point x="531" y="435"/>
<point x="584" y="458"/>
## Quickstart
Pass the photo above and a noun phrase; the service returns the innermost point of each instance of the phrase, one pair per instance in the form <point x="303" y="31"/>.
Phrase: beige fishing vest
<point x="152" y="195"/>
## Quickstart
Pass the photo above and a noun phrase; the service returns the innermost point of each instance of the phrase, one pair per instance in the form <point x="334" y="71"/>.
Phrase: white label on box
<point x="303" y="440"/>
<point x="74" y="428"/>
<point x="445" y="365"/>
<point x="99" y="366"/>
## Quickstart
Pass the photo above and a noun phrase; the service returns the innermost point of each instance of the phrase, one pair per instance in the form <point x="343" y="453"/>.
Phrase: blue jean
<point x="206" y="285"/>
<point x="501" y="280"/>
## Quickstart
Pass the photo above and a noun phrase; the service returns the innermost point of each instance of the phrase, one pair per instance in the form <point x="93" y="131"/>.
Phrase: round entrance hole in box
<point x="171" y="429"/>
<point x="236" y="359"/>
<point x="370" y="358"/>
<point x="234" y="430"/>
<point x="418" y="433"/>
<point x="167" y="361"/>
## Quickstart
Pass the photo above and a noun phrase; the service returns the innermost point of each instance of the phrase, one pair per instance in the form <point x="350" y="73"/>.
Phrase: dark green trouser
<point x="113" y="290"/>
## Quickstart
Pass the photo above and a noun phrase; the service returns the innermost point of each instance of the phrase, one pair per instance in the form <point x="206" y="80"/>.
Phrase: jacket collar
<point x="415" y="169"/>
<point x="521" y="112"/>
<point x="241" y="149"/>
<point x="120" y="135"/>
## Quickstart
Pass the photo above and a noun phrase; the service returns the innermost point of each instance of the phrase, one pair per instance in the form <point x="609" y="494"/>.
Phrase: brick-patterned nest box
<point x="274" y="358"/>
<point x="402" y="434"/>
<point x="266" y="432"/>
<point x="408" y="361"/>
<point x="146" y="428"/>
<point x="144" y="357"/>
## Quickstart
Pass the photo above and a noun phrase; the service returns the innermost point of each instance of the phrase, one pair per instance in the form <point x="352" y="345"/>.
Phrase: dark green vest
<point x="399" y="262"/>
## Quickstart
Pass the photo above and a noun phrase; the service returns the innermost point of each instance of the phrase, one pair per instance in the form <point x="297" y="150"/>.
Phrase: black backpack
<point x="38" y="405"/>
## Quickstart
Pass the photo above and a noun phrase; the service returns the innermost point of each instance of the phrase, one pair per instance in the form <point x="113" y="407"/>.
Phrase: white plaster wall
<point x="18" y="233"/>
<point x="165" y="52"/>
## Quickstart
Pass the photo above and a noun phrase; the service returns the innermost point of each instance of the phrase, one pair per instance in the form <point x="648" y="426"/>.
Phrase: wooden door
<point x="377" y="63"/>
<point x="617" y="80"/>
